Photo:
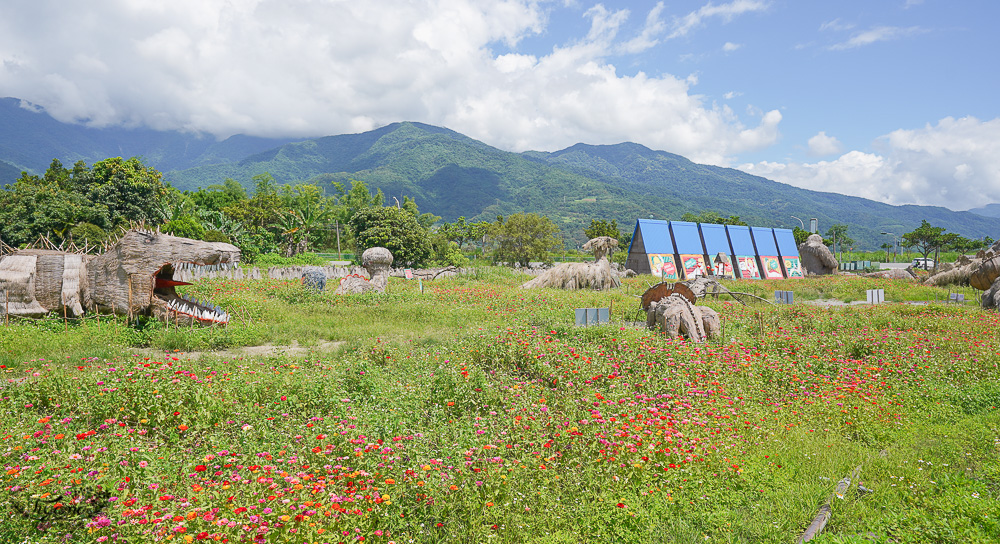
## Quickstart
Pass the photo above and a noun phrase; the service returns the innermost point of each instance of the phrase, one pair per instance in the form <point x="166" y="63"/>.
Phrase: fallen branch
<point x="826" y="510"/>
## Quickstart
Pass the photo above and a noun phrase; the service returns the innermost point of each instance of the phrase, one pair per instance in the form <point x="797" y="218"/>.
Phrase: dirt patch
<point x="266" y="350"/>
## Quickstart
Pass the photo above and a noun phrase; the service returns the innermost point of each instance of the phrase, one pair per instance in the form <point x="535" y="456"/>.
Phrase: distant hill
<point x="8" y="173"/>
<point x="452" y="175"/>
<point x="989" y="210"/>
<point x="30" y="139"/>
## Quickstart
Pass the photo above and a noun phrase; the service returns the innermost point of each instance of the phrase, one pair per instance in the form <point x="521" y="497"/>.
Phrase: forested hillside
<point x="452" y="175"/>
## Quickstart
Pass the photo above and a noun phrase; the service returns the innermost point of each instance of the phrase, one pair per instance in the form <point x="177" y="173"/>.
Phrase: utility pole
<point x="340" y="256"/>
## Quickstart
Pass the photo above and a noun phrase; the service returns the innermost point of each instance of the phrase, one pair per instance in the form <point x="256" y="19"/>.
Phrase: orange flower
<point x="453" y="487"/>
<point x="390" y="481"/>
<point x="182" y="427"/>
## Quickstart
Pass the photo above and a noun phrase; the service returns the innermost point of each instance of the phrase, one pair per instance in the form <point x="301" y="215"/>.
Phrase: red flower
<point x="201" y="468"/>
<point x="620" y="505"/>
<point x="320" y="436"/>
<point x="202" y="535"/>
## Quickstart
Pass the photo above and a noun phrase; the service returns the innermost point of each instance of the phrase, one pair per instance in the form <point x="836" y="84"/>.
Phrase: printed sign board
<point x="693" y="266"/>
<point x="663" y="265"/>
<point x="772" y="267"/>
<point x="793" y="267"/>
<point x="748" y="267"/>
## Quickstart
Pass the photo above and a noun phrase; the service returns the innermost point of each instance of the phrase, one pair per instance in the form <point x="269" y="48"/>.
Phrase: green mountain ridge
<point x="452" y="175"/>
<point x="30" y="139"/>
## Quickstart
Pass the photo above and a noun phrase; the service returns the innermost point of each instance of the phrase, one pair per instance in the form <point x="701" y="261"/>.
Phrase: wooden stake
<point x="129" y="313"/>
<point x="65" y="323"/>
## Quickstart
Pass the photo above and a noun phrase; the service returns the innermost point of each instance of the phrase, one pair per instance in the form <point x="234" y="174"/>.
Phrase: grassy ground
<point x="476" y="412"/>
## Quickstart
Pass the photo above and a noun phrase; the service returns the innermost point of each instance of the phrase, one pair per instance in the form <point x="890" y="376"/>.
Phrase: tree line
<point x="86" y="205"/>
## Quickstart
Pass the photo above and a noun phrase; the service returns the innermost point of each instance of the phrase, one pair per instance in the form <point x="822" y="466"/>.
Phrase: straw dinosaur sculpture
<point x="986" y="276"/>
<point x="596" y="275"/>
<point x="817" y="259"/>
<point x="378" y="262"/>
<point x="133" y="277"/>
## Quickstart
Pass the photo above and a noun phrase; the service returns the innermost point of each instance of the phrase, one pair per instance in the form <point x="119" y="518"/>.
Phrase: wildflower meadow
<point x="466" y="409"/>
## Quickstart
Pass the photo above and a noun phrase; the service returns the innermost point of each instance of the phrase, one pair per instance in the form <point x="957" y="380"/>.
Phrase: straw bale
<point x="73" y="271"/>
<point x="17" y="281"/>
<point x="49" y="279"/>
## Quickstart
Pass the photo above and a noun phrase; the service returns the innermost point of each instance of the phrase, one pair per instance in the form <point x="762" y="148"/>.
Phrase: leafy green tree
<point x="87" y="234"/>
<point x="184" y="226"/>
<point x="217" y="197"/>
<point x="525" y="237"/>
<point x="394" y="229"/>
<point x="800" y="234"/>
<point x="35" y="206"/>
<point x="925" y="238"/>
<point x="308" y="212"/>
<point x="837" y="235"/>
<point x="426" y="220"/>
<point x="713" y="218"/>
<point x="600" y="227"/>
<point x="130" y="190"/>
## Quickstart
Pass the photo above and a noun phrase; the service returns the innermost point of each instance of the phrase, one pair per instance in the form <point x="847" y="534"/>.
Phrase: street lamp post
<point x="801" y="224"/>
<point x="893" y="245"/>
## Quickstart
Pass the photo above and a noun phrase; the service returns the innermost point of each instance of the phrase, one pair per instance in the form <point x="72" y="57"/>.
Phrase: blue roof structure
<point x="763" y="239"/>
<point x="686" y="238"/>
<point x="715" y="239"/>
<point x="655" y="236"/>
<point x="786" y="243"/>
<point x="740" y="240"/>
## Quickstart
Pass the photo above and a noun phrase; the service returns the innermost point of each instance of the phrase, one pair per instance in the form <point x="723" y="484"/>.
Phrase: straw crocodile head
<point x="138" y="275"/>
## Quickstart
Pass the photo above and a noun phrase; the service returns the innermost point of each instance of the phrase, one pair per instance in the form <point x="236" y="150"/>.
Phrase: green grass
<point x="475" y="411"/>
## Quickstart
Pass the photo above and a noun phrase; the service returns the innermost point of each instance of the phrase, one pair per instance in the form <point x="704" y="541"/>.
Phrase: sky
<point x="893" y="100"/>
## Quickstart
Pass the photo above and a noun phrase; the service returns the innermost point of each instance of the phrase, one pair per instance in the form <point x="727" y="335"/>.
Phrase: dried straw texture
<point x="959" y="273"/>
<point x="17" y="282"/>
<point x="572" y="276"/>
<point x="74" y="275"/>
<point x="988" y="271"/>
<point x="816" y="258"/>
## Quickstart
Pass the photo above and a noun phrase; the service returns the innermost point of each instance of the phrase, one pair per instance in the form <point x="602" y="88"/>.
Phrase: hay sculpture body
<point x="816" y="258"/>
<point x="134" y="277"/>
<point x="378" y="262"/>
<point x="675" y="315"/>
<point x="957" y="273"/>
<point x="986" y="276"/>
<point x="597" y="275"/>
<point x="670" y="307"/>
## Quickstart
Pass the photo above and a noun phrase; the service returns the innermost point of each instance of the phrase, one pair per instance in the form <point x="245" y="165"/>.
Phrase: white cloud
<point x="729" y="47"/>
<point x="821" y="145"/>
<point x="647" y="38"/>
<point x="876" y="34"/>
<point x="731" y="95"/>
<point x="271" y="67"/>
<point x="684" y="25"/>
<point x="953" y="164"/>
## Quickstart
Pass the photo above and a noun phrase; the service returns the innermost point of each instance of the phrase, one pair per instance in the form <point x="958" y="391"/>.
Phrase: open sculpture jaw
<point x="140" y="275"/>
<point x="171" y="307"/>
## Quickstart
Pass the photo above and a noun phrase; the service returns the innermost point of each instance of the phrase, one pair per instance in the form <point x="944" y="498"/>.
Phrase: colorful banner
<point x="694" y="266"/>
<point x="793" y="267"/>
<point x="772" y="267"/>
<point x="663" y="265"/>
<point x="748" y="267"/>
<point x="722" y="266"/>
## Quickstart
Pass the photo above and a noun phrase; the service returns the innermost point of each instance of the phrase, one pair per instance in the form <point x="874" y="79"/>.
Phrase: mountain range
<point x="452" y="175"/>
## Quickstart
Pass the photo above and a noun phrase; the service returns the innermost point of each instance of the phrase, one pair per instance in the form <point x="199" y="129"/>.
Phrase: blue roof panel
<point x="686" y="238"/>
<point x="786" y="243"/>
<point x="656" y="236"/>
<point x="715" y="238"/>
<point x="739" y="238"/>
<point x="763" y="238"/>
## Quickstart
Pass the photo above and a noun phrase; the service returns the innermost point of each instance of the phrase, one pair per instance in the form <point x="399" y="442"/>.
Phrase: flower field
<point x="476" y="412"/>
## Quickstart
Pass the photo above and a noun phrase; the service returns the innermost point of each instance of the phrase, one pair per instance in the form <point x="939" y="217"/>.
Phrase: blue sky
<point x="892" y="100"/>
